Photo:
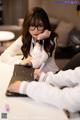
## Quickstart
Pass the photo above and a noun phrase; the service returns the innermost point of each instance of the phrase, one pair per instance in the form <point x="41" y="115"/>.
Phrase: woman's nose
<point x="36" y="30"/>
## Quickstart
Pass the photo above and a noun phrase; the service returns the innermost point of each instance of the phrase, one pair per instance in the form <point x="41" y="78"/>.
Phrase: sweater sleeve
<point x="12" y="54"/>
<point x="69" y="78"/>
<point x="67" y="98"/>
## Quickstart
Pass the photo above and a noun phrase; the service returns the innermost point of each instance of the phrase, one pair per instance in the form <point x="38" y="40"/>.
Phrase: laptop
<point x="21" y="73"/>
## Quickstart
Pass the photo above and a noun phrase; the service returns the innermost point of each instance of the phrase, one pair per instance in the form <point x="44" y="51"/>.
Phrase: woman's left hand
<point x="44" y="35"/>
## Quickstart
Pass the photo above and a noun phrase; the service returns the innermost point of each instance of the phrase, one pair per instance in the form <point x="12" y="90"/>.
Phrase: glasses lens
<point x="32" y="27"/>
<point x="40" y="28"/>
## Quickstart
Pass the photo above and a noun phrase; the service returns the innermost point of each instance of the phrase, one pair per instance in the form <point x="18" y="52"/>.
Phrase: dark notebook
<point x="21" y="73"/>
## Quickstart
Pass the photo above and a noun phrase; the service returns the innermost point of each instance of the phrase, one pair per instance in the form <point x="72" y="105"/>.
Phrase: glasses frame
<point x="39" y="27"/>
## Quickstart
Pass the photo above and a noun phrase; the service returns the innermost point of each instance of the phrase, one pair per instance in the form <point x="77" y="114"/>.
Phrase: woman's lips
<point x="35" y="34"/>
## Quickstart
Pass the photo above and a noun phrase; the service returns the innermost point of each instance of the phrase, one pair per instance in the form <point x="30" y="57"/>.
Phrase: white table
<point x="6" y="37"/>
<point x="17" y="108"/>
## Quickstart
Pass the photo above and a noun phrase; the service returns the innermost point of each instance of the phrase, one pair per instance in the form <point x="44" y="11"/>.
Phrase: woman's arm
<point x="69" y="78"/>
<point x="65" y="99"/>
<point x="12" y="54"/>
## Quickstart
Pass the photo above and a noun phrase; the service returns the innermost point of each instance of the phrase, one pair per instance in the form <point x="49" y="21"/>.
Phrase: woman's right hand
<point x="26" y="61"/>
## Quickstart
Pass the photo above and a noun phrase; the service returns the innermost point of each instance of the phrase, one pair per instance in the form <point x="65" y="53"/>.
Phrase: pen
<point x="42" y="66"/>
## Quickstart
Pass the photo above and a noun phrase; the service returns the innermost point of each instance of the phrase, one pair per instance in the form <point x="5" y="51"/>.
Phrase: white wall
<point x="62" y="11"/>
<point x="33" y="3"/>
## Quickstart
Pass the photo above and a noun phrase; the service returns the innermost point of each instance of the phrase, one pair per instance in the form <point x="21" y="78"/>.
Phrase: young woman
<point x="36" y="45"/>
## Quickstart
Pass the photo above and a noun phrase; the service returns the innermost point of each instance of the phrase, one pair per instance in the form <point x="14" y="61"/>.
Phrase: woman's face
<point x="36" y="28"/>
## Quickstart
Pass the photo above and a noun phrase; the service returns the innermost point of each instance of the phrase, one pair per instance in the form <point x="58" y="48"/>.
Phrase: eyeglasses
<point x="39" y="27"/>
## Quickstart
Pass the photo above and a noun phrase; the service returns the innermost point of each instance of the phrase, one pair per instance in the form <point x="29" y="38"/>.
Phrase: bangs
<point x="36" y="21"/>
